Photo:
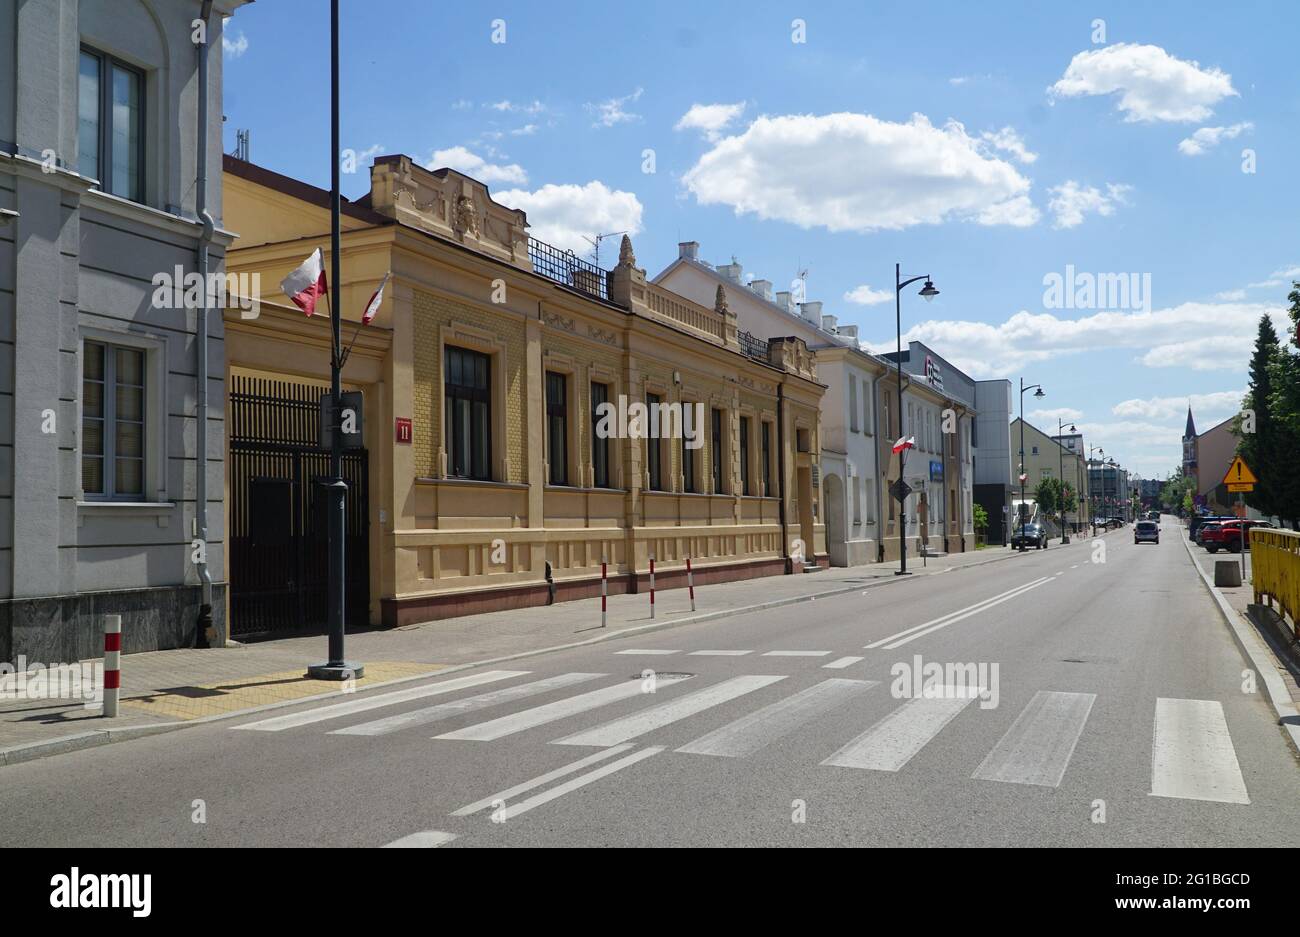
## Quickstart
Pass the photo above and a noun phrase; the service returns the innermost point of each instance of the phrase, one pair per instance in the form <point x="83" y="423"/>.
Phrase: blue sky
<point x="990" y="145"/>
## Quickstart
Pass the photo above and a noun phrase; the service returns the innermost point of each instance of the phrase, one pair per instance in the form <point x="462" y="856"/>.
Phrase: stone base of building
<point x="67" y="628"/>
<point x="409" y="611"/>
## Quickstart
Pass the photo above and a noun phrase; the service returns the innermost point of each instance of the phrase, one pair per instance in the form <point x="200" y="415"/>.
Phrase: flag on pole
<point x="372" y="307"/>
<point x="905" y="442"/>
<point x="307" y="283"/>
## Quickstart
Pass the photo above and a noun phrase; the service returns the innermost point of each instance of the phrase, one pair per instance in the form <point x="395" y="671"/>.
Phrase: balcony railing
<point x="754" y="347"/>
<point x="568" y="269"/>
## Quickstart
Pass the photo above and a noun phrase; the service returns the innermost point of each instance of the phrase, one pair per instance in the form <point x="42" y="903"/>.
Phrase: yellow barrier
<point x="1275" y="569"/>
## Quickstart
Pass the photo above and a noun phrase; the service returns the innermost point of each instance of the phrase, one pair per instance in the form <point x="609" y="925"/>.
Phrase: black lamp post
<point x="1024" y="475"/>
<point x="1092" y="495"/>
<point x="928" y="293"/>
<point x="1060" y="459"/>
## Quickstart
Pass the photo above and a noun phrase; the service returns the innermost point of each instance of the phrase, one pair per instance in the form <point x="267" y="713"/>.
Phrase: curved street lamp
<point x="1060" y="459"/>
<point x="928" y="293"/>
<point x="1024" y="474"/>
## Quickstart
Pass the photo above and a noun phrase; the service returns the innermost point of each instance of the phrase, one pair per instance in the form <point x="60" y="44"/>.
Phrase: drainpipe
<point x="201" y="435"/>
<point x="780" y="475"/>
<point x="875" y="458"/>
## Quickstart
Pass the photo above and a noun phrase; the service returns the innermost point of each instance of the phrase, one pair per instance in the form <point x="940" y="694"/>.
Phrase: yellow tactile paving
<point x="227" y="696"/>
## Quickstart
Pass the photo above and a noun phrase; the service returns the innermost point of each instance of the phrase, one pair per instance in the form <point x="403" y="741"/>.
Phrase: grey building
<point x="99" y="394"/>
<point x="993" y="458"/>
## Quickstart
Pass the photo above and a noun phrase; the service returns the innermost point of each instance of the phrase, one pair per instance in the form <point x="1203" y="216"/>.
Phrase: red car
<point x="1227" y="535"/>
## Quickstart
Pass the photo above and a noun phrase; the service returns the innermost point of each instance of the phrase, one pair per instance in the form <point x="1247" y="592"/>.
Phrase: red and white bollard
<point x="604" y="592"/>
<point x="112" y="663"/>
<point x="690" y="582"/>
<point x="652" y="585"/>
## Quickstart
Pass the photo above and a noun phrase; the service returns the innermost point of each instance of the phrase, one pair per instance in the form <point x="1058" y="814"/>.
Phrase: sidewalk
<point x="162" y="690"/>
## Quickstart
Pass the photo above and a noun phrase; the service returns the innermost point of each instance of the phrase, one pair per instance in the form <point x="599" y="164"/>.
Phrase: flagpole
<point x="336" y="668"/>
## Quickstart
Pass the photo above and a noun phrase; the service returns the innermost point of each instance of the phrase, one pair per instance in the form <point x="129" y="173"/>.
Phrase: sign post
<point x="1240" y="479"/>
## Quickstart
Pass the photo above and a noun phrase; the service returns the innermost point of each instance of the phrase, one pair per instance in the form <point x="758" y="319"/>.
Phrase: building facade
<point x="991" y="437"/>
<point x="1049" y="457"/>
<point x="490" y="481"/>
<point x="99" y="359"/>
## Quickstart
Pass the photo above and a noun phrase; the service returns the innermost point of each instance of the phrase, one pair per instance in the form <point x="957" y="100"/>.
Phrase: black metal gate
<point x="279" y="560"/>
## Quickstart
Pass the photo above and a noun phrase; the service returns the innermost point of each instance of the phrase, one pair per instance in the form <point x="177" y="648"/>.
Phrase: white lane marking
<point x="797" y="654"/>
<point x="418" y="717"/>
<point x="1192" y="755"/>
<point x="551" y="712"/>
<point x="894" y="740"/>
<point x="428" y="839"/>
<point x="656" y="717"/>
<point x="365" y="703"/>
<point x="841" y="662"/>
<point x="944" y="618"/>
<point x="1038" y="746"/>
<point x="643" y="651"/>
<point x="1061" y="573"/>
<point x="750" y="733"/>
<point x="719" y="653"/>
<point x="582" y="780"/>
<point x="964" y="615"/>
<point x="538" y="781"/>
<point x="1075" y="566"/>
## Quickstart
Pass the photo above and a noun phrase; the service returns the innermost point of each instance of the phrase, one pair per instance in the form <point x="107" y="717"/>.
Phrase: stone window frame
<point x="725" y="406"/>
<point x="600" y="374"/>
<point x="577" y="471"/>
<point x="463" y="335"/>
<point x="668" y="481"/>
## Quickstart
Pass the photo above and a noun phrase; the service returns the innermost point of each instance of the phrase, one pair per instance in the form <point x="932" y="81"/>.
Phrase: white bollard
<point x="112" y="663"/>
<point x="604" y="592"/>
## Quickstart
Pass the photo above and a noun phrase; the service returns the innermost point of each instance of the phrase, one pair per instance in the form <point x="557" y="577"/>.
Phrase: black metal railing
<point x="754" y="347"/>
<point x="567" y="268"/>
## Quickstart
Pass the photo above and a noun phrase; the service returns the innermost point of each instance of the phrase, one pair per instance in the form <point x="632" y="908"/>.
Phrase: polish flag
<point x="372" y="307"/>
<point x="906" y="442"/>
<point x="307" y="284"/>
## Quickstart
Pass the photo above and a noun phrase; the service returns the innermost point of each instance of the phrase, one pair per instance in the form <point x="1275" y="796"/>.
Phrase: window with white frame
<point x="110" y="124"/>
<point x="113" y="422"/>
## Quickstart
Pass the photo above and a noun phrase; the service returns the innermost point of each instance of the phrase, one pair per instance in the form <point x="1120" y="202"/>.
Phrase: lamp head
<point x="928" y="292"/>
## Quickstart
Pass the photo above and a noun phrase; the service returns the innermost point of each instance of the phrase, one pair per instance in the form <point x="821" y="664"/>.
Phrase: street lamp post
<point x="1024" y="475"/>
<point x="1092" y="495"/>
<point x="928" y="293"/>
<point x="1060" y="460"/>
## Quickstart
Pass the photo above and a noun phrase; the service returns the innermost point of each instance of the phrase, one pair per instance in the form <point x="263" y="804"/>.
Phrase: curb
<point x="31" y="751"/>
<point x="1288" y="717"/>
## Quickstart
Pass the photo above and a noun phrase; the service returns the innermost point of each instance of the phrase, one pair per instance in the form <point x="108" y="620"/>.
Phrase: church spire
<point x="1190" y="431"/>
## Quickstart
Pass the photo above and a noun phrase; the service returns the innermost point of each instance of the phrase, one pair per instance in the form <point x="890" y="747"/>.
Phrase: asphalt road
<point x="1109" y="711"/>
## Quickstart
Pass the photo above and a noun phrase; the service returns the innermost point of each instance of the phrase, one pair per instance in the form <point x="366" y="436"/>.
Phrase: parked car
<point x="1031" y="535"/>
<point x="1146" y="531"/>
<point x="1230" y="534"/>
<point x="1207" y="534"/>
<point x="1194" y="525"/>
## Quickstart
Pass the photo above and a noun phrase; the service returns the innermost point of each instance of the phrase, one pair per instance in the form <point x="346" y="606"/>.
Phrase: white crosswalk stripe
<point x="582" y="780"/>
<point x="749" y="733"/>
<point x="647" y="651"/>
<point x="427" y="839"/>
<point x="720" y="653"/>
<point x="656" y="717"/>
<point x="560" y="709"/>
<point x="1038" y="746"/>
<point x="417" y="717"/>
<point x="1192" y="754"/>
<point x="548" y="777"/>
<point x="841" y="662"/>
<point x="894" y="740"/>
<point x="365" y="703"/>
<point x="797" y="654"/>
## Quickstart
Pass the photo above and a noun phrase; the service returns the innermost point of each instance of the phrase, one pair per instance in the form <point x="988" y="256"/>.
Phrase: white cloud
<point x="471" y="164"/>
<point x="462" y="105"/>
<point x="1009" y="141"/>
<point x="513" y="107"/>
<point x="1231" y="295"/>
<point x="1068" y="414"/>
<point x="527" y="130"/>
<point x="1152" y="84"/>
<point x="960" y="80"/>
<point x="710" y="118"/>
<point x="562" y="215"/>
<point x="611" y="112"/>
<point x="855" y="172"/>
<point x="1213" y="353"/>
<point x="1282" y="277"/>
<point x="1208" y="137"/>
<point x="1219" y="404"/>
<point x="865" y="296"/>
<point x="234" y="47"/>
<point x="1071" y="201"/>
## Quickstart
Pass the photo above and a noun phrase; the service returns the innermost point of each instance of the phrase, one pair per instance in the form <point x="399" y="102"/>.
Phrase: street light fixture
<point x="928" y="293"/>
<point x="1020" y="520"/>
<point x="1092" y="495"/>
<point x="1060" y="460"/>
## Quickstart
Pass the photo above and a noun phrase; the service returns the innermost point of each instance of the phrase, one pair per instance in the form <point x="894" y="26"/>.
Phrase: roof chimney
<point x="762" y="288"/>
<point x="828" y="323"/>
<point x="688" y="250"/>
<point x="731" y="271"/>
<point x="783" y="300"/>
<point x="812" y="312"/>
<point x="848" y="334"/>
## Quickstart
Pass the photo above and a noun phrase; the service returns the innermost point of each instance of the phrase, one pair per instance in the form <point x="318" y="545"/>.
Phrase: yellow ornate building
<point x="487" y="479"/>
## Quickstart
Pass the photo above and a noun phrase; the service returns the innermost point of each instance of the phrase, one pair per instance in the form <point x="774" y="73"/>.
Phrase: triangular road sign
<point x="1239" y="473"/>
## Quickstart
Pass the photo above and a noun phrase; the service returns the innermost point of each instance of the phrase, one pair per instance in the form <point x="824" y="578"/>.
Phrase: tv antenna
<point x="595" y="244"/>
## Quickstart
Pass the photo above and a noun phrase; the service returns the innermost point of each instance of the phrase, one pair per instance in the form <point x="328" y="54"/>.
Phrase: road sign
<point x="1239" y="473"/>
<point x="1245" y="486"/>
<point x="900" y="490"/>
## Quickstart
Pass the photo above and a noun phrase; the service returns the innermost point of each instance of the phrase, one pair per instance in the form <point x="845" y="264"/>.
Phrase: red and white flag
<point x="905" y="442"/>
<point x="372" y="307"/>
<point x="307" y="283"/>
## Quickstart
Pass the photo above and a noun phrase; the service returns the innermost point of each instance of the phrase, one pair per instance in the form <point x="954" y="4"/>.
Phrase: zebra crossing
<point x="1193" y="757"/>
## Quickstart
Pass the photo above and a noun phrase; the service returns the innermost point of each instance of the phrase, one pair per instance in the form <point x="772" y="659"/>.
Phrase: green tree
<point x="1047" y="494"/>
<point x="1256" y="429"/>
<point x="1176" y="491"/>
<point x="980" y="517"/>
<point x="1285" y="411"/>
<point x="1069" y="501"/>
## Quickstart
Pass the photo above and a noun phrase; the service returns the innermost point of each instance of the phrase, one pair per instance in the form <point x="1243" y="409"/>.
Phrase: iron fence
<point x="754" y="347"/>
<point x="568" y="269"/>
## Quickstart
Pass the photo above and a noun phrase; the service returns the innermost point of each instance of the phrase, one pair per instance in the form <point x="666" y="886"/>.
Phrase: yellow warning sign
<point x="1239" y="473"/>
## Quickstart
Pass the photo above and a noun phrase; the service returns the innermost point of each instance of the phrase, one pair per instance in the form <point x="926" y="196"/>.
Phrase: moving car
<point x="1146" y="531"/>
<point x="1031" y="535"/>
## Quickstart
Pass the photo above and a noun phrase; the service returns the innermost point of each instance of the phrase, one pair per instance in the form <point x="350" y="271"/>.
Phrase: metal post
<point x="604" y="592"/>
<point x="336" y="668"/>
<point x="1024" y="473"/>
<point x="902" y="433"/>
<point x="112" y="663"/>
<point x="690" y="582"/>
<point x="652" y="585"/>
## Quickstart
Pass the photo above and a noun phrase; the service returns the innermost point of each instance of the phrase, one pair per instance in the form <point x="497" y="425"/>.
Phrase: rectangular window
<point x="716" y="416"/>
<point x="468" y="413"/>
<point x="766" y="468"/>
<point x="112" y="422"/>
<point x="652" y="447"/>
<point x="688" y="454"/>
<point x="744" y="456"/>
<point x="557" y="428"/>
<point x="599" y="445"/>
<point x="110" y="124"/>
<point x="866" y="408"/>
<point x="853" y="403"/>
